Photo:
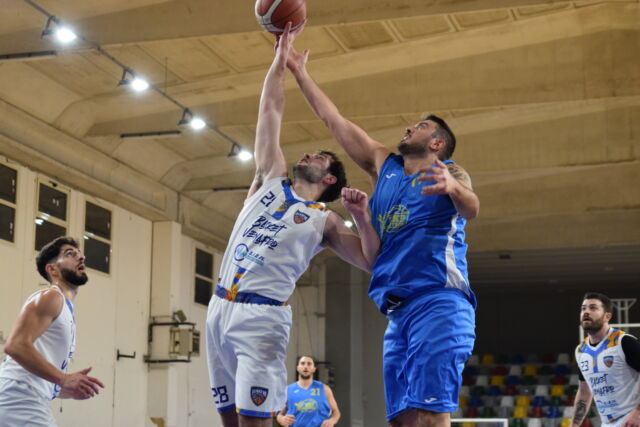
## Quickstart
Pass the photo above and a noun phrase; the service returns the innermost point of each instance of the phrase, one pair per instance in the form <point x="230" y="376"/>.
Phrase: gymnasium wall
<point x="112" y="311"/>
<point x="535" y="321"/>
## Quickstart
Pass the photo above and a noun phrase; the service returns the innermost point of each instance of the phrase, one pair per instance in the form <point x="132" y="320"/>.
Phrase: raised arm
<point x="368" y="153"/>
<point x="270" y="162"/>
<point x="33" y="320"/>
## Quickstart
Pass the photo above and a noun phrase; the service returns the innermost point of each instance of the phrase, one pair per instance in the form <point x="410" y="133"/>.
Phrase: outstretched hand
<point x="355" y="201"/>
<point x="284" y="40"/>
<point x="444" y="181"/>
<point x="79" y="385"/>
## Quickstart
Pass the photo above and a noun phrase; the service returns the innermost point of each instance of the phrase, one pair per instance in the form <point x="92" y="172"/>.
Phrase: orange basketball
<point x="273" y="15"/>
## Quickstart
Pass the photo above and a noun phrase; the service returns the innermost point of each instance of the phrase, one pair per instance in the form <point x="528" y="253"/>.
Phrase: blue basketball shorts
<point x="427" y="341"/>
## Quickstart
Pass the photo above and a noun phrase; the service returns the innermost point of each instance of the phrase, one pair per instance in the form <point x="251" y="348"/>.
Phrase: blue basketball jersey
<point x="422" y="238"/>
<point x="309" y="405"/>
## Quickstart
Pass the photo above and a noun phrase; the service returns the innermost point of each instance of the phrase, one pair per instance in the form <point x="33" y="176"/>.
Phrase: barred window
<point x="51" y="217"/>
<point x="97" y="237"/>
<point x="204" y="277"/>
<point x="8" y="190"/>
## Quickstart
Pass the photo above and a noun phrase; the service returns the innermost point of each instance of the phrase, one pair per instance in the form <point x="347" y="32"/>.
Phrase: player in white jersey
<point x="280" y="228"/>
<point x="42" y="342"/>
<point x="609" y="362"/>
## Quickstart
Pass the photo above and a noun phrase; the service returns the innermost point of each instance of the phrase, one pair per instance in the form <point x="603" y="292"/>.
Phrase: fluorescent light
<point x="245" y="155"/>
<point x="65" y="35"/>
<point x="197" y="123"/>
<point x="139" y="84"/>
<point x="39" y="221"/>
<point x="348" y="223"/>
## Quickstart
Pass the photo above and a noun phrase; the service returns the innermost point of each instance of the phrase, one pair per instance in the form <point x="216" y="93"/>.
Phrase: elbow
<point x="11" y="348"/>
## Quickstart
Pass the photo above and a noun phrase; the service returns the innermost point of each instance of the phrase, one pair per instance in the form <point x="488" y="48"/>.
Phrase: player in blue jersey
<point x="310" y="403"/>
<point x="419" y="208"/>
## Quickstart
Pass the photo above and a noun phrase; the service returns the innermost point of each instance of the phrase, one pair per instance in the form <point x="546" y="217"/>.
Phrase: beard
<point x="415" y="149"/>
<point x="76" y="279"/>
<point x="595" y="326"/>
<point x="305" y="377"/>
<point x="310" y="174"/>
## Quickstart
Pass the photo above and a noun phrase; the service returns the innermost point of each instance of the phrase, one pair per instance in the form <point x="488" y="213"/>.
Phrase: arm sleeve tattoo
<point x="580" y="412"/>
<point x="460" y="174"/>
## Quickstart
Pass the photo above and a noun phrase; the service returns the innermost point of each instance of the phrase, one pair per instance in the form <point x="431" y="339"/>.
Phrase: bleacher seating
<point x="529" y="390"/>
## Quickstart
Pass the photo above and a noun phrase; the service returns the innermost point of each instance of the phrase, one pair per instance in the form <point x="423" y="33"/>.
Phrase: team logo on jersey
<point x="259" y="395"/>
<point x="300" y="217"/>
<point x="307" y="405"/>
<point x="608" y="361"/>
<point x="394" y="219"/>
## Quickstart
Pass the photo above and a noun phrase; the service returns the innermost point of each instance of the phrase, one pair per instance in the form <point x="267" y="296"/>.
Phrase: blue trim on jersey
<point x="246" y="297"/>
<point x="70" y="308"/>
<point x="227" y="408"/>
<point x="290" y="200"/>
<point x="422" y="238"/>
<point x="586" y="349"/>
<point x="257" y="414"/>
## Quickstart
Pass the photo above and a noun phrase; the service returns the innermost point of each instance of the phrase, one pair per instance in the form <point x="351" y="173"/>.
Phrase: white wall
<point x="111" y="309"/>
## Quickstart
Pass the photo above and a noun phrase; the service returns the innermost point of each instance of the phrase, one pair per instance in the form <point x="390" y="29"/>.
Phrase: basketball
<point x="273" y="15"/>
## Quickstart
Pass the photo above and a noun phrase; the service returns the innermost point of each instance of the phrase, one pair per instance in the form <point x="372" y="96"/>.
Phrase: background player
<point x="310" y="403"/>
<point x="420" y="279"/>
<point x="43" y="340"/>
<point x="609" y="363"/>
<point x="280" y="228"/>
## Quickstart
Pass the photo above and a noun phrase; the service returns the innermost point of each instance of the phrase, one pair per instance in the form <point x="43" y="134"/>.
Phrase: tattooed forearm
<point x="460" y="174"/>
<point x="579" y="412"/>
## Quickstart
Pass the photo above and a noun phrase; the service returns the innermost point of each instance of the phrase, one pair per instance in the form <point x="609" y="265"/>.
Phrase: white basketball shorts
<point x="246" y="354"/>
<point x="21" y="405"/>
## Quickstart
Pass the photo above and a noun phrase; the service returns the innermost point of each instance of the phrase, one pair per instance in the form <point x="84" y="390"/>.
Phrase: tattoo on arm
<point x="581" y="411"/>
<point x="460" y="174"/>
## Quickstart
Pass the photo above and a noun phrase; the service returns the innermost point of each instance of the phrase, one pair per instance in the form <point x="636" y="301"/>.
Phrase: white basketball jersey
<point x="613" y="383"/>
<point x="56" y="345"/>
<point x="272" y="242"/>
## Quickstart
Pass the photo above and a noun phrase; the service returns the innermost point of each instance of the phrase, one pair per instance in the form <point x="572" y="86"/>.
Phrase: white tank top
<point x="56" y="345"/>
<point x="272" y="242"/>
<point x="613" y="383"/>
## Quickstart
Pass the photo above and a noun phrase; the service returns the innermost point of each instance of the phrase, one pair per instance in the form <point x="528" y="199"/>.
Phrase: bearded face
<point x="74" y="277"/>
<point x="309" y="172"/>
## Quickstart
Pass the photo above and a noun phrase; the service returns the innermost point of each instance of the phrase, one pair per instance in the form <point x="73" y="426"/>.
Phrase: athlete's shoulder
<point x="47" y="302"/>
<point x="582" y="346"/>
<point x="614" y="338"/>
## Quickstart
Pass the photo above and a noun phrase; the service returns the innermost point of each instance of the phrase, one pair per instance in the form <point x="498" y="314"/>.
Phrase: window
<point x="97" y="237"/>
<point x="8" y="185"/>
<point x="51" y="218"/>
<point x="204" y="277"/>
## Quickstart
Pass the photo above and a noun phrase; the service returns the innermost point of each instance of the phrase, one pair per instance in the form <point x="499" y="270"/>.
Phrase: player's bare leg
<point x="432" y="419"/>
<point x="246" y="421"/>
<point x="421" y="418"/>
<point x="229" y="419"/>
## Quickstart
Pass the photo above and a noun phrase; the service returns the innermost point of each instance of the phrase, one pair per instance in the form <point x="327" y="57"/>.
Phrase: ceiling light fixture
<point x="188" y="119"/>
<point x="130" y="79"/>
<point x="62" y="33"/>
<point x="55" y="27"/>
<point x="240" y="153"/>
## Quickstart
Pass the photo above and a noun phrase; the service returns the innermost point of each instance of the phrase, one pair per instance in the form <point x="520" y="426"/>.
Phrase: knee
<point x="433" y="419"/>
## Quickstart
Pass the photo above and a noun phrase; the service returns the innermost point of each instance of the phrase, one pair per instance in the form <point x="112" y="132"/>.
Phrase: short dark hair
<point x="50" y="251"/>
<point x="606" y="301"/>
<point x="336" y="168"/>
<point x="313" y="359"/>
<point x="445" y="133"/>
